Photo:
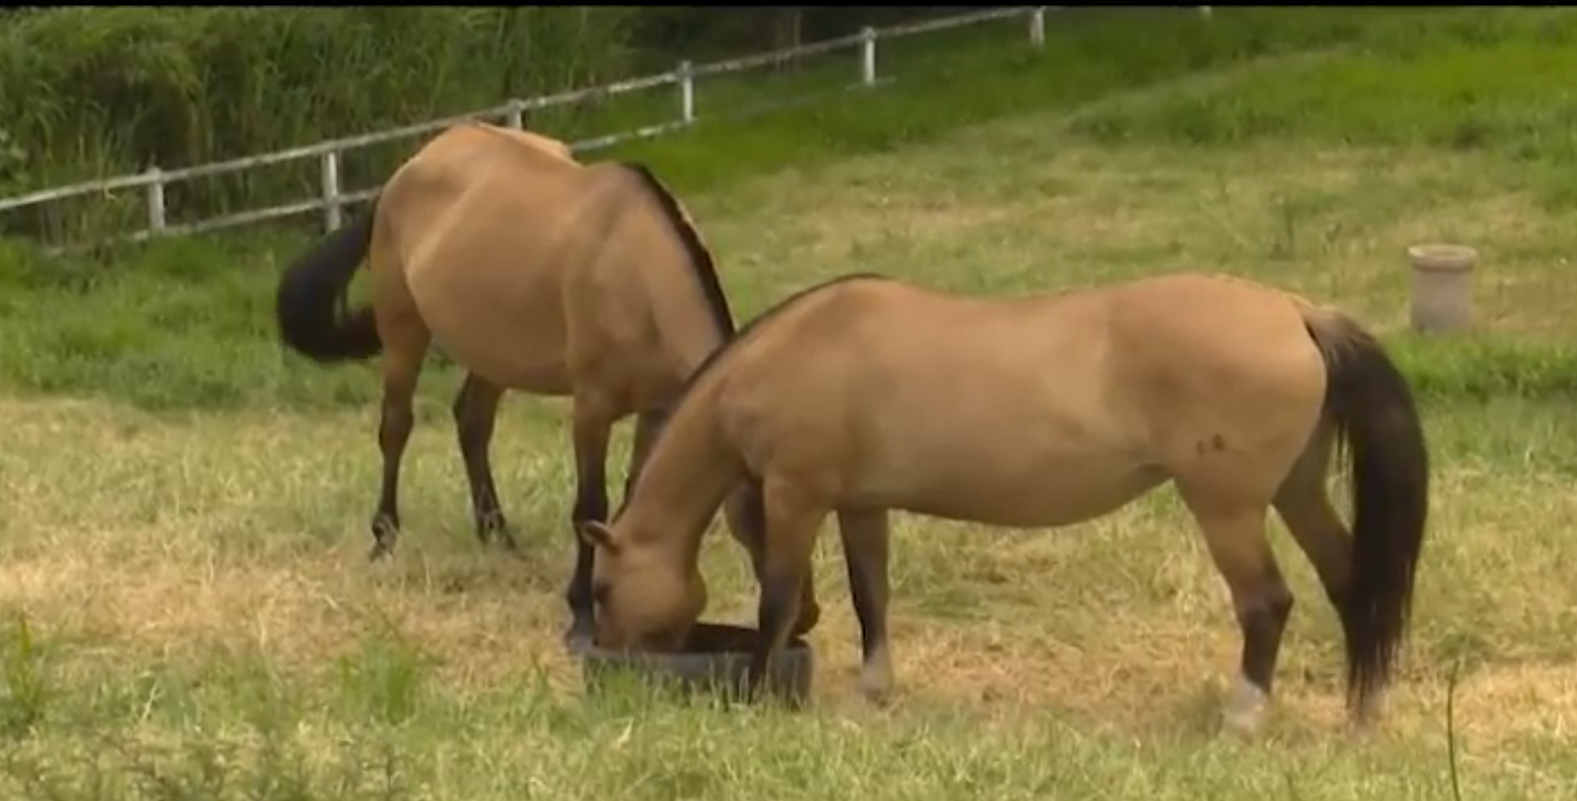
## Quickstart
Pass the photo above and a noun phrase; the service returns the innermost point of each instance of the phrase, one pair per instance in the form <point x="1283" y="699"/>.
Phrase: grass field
<point x="185" y="611"/>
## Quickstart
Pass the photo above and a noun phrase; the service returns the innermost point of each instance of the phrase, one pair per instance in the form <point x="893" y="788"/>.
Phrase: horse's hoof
<point x="1244" y="713"/>
<point x="877" y="692"/>
<point x="506" y="539"/>
<point x="578" y="640"/>
<point x="382" y="548"/>
<point x="491" y="526"/>
<point x="577" y="644"/>
<point x="876" y="681"/>
<point x="385" y="531"/>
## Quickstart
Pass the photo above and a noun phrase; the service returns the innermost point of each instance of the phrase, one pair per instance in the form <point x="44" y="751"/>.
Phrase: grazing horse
<point x="864" y="395"/>
<point x="536" y="274"/>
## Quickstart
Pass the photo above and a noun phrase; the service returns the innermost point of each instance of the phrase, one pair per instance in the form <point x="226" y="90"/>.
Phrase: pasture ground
<point x="187" y="612"/>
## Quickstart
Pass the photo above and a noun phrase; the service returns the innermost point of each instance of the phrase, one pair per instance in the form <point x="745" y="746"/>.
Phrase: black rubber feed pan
<point x="715" y="661"/>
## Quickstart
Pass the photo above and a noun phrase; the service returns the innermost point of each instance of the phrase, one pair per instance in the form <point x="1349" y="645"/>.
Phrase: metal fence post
<point x="515" y="116"/>
<point x="686" y="92"/>
<point x="156" y="215"/>
<point x="332" y="213"/>
<point x="868" y="56"/>
<point x="1037" y="26"/>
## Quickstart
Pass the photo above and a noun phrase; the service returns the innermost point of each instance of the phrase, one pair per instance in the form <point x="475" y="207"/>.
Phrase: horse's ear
<point x="597" y="535"/>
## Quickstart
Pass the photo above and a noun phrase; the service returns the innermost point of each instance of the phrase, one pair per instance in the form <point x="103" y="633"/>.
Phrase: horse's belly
<point x="1005" y="466"/>
<point x="1064" y="494"/>
<point x="534" y="368"/>
<point x="515" y="342"/>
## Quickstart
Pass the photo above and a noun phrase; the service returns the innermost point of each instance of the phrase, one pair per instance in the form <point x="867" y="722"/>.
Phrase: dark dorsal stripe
<point x="700" y="257"/>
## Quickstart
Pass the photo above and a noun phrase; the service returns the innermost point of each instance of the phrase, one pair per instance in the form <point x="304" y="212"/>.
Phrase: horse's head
<point x="646" y="600"/>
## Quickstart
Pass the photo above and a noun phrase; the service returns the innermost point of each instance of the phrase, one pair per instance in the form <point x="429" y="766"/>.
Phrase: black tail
<point x="313" y="316"/>
<point x="1377" y="421"/>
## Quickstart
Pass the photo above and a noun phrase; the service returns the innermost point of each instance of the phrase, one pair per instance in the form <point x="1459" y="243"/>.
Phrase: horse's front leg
<point x="591" y="431"/>
<point x="746" y="516"/>
<point x="792" y="520"/>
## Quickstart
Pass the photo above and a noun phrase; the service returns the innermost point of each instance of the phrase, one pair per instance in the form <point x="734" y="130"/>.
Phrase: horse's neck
<point x="685" y="322"/>
<point x="685" y="479"/>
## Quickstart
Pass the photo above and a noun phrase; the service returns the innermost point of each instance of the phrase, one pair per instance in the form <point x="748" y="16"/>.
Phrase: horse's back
<point x="473" y="179"/>
<point x="552" y="147"/>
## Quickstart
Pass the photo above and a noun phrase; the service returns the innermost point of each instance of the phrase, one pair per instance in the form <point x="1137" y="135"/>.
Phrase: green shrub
<point x="93" y="92"/>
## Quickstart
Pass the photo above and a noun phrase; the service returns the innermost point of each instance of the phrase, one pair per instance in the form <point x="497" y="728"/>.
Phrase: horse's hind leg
<point x="405" y="347"/>
<point x="475" y="411"/>
<point x="865" y="536"/>
<point x="592" y="428"/>
<point x="1305" y="507"/>
<point x="1235" y="535"/>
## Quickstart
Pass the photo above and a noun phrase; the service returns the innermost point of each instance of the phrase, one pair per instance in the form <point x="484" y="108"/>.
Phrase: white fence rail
<point x="332" y="199"/>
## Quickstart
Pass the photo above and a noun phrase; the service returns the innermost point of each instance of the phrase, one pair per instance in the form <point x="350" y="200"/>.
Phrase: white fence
<point x="332" y="199"/>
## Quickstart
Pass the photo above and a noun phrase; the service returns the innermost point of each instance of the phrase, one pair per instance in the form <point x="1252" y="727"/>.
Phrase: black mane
<point x="700" y="257"/>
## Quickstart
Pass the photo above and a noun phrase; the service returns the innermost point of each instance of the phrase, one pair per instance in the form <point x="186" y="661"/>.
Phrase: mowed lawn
<point x="201" y="621"/>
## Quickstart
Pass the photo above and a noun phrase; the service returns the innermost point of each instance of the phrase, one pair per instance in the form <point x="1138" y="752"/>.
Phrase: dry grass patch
<point x="247" y="535"/>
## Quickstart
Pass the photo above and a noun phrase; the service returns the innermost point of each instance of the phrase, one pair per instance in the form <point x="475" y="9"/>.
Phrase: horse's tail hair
<point x="1377" y="425"/>
<point x="314" y="318"/>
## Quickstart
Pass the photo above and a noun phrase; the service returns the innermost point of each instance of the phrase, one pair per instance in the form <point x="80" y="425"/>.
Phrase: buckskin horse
<point x="864" y="395"/>
<point x="536" y="274"/>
